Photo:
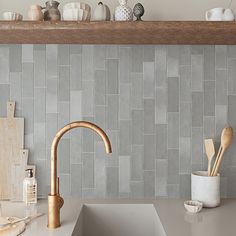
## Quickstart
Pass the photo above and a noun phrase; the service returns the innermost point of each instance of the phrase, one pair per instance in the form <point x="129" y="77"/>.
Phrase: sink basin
<point x="118" y="220"/>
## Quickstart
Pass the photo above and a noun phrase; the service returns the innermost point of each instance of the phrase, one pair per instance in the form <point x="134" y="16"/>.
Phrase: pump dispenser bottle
<point x="30" y="188"/>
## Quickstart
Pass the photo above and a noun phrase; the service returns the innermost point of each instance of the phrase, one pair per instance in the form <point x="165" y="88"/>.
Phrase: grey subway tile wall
<point x="156" y="103"/>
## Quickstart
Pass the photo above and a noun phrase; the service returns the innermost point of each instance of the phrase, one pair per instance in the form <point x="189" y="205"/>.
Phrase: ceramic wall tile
<point x="5" y="95"/>
<point x="197" y="109"/>
<point x="39" y="105"/>
<point x="27" y="53"/>
<point x="173" y="94"/>
<point x="148" y="80"/>
<point x="75" y="72"/>
<point x="27" y="81"/>
<point x="100" y="87"/>
<point x="124" y="174"/>
<point x="64" y="83"/>
<point x="15" y="56"/>
<point x="209" y="62"/>
<point x="221" y="56"/>
<point x="149" y="184"/>
<point x="209" y="98"/>
<point x="173" y="166"/>
<point x="39" y="67"/>
<point x="137" y="158"/>
<point x="63" y="54"/>
<point x="197" y="75"/>
<point x="112" y="68"/>
<point x="4" y="65"/>
<point x="112" y="179"/>
<point x="88" y="170"/>
<point x="15" y="83"/>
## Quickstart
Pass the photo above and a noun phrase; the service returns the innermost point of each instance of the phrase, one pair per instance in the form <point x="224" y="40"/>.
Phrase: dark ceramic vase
<point x="138" y="11"/>
<point x="52" y="12"/>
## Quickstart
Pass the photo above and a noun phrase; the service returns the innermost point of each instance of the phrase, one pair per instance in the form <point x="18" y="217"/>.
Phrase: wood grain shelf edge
<point x="145" y="32"/>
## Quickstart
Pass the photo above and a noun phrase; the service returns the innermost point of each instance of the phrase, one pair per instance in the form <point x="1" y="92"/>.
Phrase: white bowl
<point x="75" y="15"/>
<point x="12" y="16"/>
<point x="193" y="206"/>
<point x="79" y="5"/>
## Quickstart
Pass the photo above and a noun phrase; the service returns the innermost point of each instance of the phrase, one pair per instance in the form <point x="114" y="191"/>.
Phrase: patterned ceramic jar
<point x="123" y="12"/>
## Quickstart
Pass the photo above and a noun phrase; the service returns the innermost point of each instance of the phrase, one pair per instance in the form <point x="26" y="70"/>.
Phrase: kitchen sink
<point x="118" y="220"/>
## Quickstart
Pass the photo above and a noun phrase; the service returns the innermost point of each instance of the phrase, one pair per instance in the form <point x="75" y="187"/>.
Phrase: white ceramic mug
<point x="215" y="14"/>
<point x="205" y="189"/>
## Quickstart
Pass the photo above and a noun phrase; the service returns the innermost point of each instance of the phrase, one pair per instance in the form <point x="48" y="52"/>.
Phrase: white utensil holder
<point x="205" y="189"/>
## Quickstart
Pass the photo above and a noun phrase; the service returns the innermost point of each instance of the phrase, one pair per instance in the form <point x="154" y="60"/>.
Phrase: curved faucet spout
<point x="55" y="201"/>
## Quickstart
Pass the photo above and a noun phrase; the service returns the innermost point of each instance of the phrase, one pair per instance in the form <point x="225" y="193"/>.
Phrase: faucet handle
<point x="61" y="201"/>
<point x="58" y="187"/>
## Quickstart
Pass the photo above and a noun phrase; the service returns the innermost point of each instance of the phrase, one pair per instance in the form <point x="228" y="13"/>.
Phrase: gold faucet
<point x="55" y="201"/>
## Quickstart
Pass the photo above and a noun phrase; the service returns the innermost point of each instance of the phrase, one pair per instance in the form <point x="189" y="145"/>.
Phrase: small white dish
<point x="12" y="16"/>
<point x="193" y="206"/>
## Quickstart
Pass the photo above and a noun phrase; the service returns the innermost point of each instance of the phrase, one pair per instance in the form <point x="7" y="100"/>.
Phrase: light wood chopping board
<point x="11" y="142"/>
<point x="12" y="230"/>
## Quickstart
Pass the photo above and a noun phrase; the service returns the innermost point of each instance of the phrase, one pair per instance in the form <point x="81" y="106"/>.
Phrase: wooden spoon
<point x="226" y="140"/>
<point x="210" y="152"/>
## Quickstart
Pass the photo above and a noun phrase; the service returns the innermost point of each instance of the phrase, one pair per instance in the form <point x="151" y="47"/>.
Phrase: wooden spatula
<point x="226" y="140"/>
<point x="210" y="152"/>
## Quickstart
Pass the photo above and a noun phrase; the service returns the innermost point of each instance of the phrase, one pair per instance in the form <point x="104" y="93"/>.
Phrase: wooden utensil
<point x="11" y="142"/>
<point x="226" y="140"/>
<point x="210" y="152"/>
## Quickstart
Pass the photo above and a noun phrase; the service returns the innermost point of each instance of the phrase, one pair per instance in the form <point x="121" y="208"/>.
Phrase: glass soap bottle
<point x="30" y="188"/>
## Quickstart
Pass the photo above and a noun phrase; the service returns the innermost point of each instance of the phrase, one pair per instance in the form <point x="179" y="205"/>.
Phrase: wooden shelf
<point x="147" y="32"/>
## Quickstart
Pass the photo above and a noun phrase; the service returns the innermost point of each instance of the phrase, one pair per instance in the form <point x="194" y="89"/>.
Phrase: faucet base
<point x="55" y="202"/>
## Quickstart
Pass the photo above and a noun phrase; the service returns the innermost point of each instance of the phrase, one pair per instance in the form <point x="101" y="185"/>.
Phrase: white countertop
<point x="176" y="221"/>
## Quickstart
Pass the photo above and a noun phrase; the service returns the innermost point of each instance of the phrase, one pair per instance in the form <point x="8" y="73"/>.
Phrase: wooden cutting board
<point x="12" y="230"/>
<point x="11" y="142"/>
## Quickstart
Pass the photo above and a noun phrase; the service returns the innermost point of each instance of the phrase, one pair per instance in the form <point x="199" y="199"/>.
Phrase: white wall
<point x="155" y="9"/>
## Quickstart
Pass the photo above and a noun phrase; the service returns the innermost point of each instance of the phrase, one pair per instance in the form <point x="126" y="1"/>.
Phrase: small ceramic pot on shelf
<point x="75" y="15"/>
<point x="138" y="11"/>
<point x="123" y="12"/>
<point x="76" y="11"/>
<point x="12" y="16"/>
<point x="52" y="12"/>
<point x="35" y="13"/>
<point x="102" y="12"/>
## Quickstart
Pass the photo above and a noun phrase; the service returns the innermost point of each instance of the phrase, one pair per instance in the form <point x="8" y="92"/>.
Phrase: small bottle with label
<point x="30" y="188"/>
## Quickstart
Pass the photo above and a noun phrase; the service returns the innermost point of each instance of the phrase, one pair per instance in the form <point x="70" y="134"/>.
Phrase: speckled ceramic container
<point x="205" y="189"/>
<point x="123" y="12"/>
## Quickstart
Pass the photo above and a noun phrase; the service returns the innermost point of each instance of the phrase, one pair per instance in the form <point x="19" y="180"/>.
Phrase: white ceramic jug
<point x="220" y="14"/>
<point x="229" y="15"/>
